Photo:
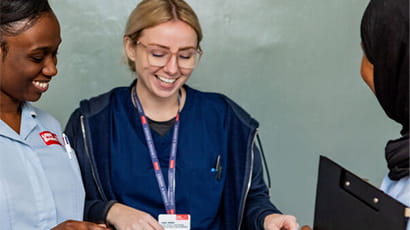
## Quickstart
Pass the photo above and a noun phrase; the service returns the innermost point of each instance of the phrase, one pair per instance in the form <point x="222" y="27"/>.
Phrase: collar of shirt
<point x="28" y="124"/>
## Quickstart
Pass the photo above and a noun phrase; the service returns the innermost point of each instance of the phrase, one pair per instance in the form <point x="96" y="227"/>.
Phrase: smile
<point x="40" y="85"/>
<point x="166" y="80"/>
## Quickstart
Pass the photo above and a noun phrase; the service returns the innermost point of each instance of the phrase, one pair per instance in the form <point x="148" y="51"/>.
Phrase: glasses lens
<point x="188" y="58"/>
<point x="158" y="56"/>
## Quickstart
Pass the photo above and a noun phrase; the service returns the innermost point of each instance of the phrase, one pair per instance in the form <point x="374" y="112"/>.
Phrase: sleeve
<point x="258" y="204"/>
<point x="96" y="208"/>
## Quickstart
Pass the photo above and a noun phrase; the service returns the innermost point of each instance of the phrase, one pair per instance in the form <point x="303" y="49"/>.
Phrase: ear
<point x="129" y="48"/>
<point x="1" y="52"/>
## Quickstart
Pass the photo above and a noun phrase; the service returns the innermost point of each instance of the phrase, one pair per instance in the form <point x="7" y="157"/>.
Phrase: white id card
<point x="175" y="221"/>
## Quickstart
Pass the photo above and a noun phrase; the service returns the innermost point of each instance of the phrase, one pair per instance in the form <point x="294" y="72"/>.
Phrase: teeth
<point x="166" y="80"/>
<point x="40" y="84"/>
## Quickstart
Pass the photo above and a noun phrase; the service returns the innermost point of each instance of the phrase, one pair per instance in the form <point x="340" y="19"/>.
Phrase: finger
<point x="148" y="226"/>
<point x="96" y="227"/>
<point x="306" y="227"/>
<point x="291" y="224"/>
<point x="152" y="223"/>
<point x="155" y="225"/>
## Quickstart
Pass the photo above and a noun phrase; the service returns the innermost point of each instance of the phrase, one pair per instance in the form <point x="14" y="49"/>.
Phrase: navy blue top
<point x="101" y="125"/>
<point x="201" y="140"/>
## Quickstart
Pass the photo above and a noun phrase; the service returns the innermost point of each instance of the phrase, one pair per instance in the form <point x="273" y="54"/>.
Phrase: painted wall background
<point x="294" y="65"/>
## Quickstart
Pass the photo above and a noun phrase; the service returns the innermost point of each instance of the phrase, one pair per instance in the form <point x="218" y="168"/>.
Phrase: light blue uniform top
<point x="400" y="190"/>
<point x="40" y="186"/>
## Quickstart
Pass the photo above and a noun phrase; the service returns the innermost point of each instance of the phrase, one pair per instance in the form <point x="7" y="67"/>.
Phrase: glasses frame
<point x="197" y="50"/>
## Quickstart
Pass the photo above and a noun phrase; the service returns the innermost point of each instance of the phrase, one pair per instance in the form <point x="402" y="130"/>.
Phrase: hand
<point x="280" y="222"/>
<point x="79" y="225"/>
<point x="123" y="217"/>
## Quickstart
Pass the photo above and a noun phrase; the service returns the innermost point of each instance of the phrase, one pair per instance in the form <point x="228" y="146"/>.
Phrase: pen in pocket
<point x="218" y="168"/>
<point x="67" y="146"/>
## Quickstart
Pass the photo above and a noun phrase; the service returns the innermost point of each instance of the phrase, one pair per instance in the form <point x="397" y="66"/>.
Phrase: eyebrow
<point x="42" y="49"/>
<point x="46" y="48"/>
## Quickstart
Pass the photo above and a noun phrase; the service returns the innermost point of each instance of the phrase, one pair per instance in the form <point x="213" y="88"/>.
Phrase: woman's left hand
<point x="280" y="222"/>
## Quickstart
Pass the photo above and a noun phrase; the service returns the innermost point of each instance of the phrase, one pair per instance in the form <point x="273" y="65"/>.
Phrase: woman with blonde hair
<point x="204" y="144"/>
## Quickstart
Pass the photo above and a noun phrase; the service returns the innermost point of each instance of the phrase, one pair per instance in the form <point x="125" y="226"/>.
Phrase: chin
<point x="162" y="91"/>
<point x="164" y="95"/>
<point x="34" y="98"/>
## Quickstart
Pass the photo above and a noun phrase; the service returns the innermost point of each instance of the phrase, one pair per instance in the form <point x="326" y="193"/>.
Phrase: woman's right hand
<point x="123" y="217"/>
<point x="79" y="225"/>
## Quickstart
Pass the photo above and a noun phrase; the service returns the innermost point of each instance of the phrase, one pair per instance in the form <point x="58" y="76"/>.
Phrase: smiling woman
<point x="40" y="184"/>
<point x="128" y="138"/>
<point x="29" y="63"/>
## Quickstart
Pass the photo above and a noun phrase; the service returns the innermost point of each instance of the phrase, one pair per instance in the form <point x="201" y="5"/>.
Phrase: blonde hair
<point x="149" y="13"/>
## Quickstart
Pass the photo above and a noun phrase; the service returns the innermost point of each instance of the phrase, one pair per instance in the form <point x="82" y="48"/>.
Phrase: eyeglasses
<point x="159" y="56"/>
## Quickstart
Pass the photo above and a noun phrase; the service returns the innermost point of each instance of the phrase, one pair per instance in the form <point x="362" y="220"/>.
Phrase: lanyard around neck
<point x="168" y="194"/>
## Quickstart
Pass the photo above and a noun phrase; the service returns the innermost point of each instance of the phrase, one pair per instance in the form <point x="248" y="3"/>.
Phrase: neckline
<point x="188" y="100"/>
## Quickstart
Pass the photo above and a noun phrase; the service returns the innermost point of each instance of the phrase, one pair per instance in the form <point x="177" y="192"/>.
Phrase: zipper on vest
<point x="248" y="186"/>
<point x="87" y="152"/>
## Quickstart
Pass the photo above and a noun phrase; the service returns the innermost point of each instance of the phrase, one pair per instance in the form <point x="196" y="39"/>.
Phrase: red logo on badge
<point x="182" y="217"/>
<point x="49" y="138"/>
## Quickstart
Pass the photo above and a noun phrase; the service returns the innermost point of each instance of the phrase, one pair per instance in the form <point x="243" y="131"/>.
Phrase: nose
<point x="50" y="67"/>
<point x="172" y="65"/>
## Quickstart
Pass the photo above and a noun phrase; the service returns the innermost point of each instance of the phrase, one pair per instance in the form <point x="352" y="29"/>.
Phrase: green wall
<point x="294" y="65"/>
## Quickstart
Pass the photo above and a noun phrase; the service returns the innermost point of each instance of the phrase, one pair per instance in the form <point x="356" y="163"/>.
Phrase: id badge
<point x="175" y="221"/>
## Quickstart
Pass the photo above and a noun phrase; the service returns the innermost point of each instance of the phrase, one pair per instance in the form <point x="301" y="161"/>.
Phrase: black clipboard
<point x="346" y="202"/>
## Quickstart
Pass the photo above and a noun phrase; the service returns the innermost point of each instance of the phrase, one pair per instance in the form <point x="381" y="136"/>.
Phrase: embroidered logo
<point x="49" y="138"/>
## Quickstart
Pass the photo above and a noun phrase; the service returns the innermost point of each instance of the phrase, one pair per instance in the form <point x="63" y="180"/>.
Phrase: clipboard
<point x="346" y="202"/>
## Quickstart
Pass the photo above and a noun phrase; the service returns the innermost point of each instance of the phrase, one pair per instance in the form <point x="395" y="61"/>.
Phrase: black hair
<point x="13" y="11"/>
